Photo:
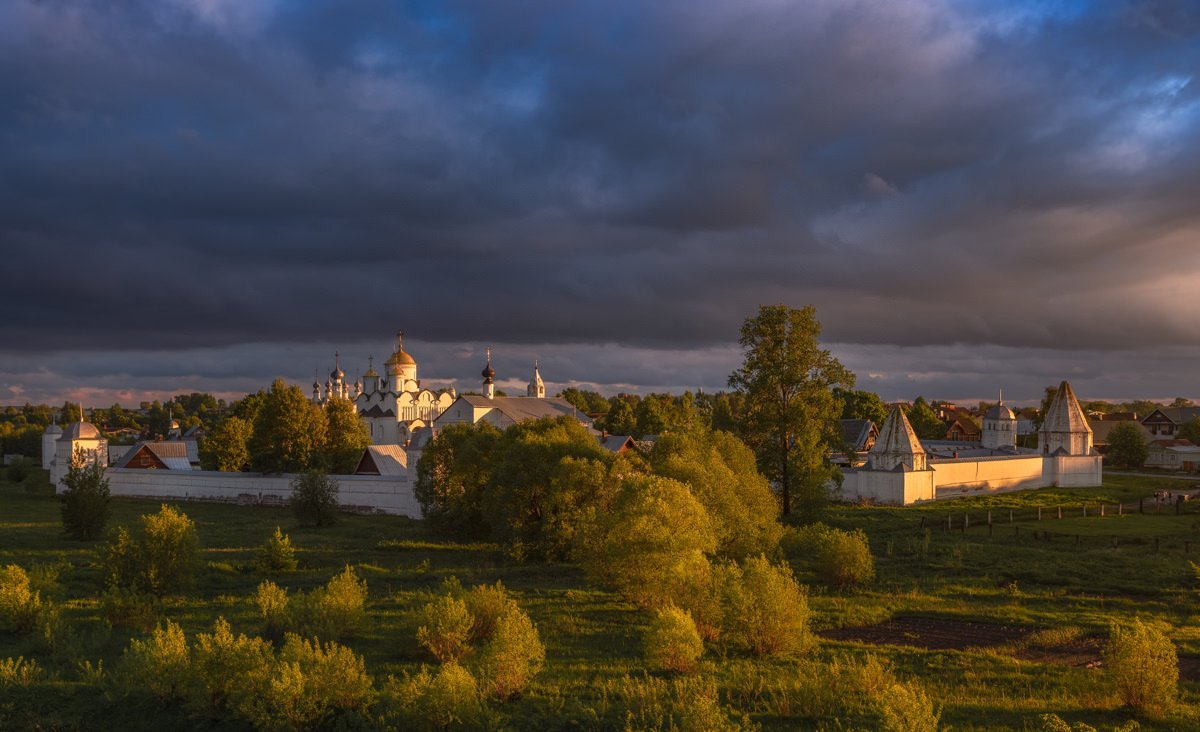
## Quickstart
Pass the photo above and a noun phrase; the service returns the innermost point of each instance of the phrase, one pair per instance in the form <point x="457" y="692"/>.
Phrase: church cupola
<point x="536" y="388"/>
<point x="489" y="376"/>
<point x="999" y="427"/>
<point x="897" y="448"/>
<point x="371" y="378"/>
<point x="400" y="366"/>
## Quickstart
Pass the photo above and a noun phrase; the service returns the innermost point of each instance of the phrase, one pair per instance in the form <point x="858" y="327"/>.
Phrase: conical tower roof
<point x="897" y="437"/>
<point x="1065" y="414"/>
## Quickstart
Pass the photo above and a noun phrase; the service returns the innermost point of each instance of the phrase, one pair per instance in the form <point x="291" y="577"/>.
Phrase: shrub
<point x="487" y="604"/>
<point x="85" y="500"/>
<point x="904" y="708"/>
<point x="124" y="608"/>
<point x="160" y="665"/>
<point x="314" y="499"/>
<point x="272" y="601"/>
<point x="766" y="610"/>
<point x="160" y="561"/>
<point x="1143" y="666"/>
<point x="332" y="611"/>
<point x="277" y="554"/>
<point x="511" y="657"/>
<point x="309" y="685"/>
<point x="839" y="558"/>
<point x="445" y="700"/>
<point x="652" y="542"/>
<point x="19" y="469"/>
<point x="648" y="703"/>
<point x="445" y="630"/>
<point x="229" y="669"/>
<point x="19" y="603"/>
<point x="19" y="672"/>
<point x="672" y="641"/>
<point x="37" y="481"/>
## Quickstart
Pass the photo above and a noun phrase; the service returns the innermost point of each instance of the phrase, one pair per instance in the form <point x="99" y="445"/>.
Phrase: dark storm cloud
<point x="214" y="174"/>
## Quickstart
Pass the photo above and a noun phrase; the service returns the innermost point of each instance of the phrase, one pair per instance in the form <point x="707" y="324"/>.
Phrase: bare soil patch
<point x="938" y="634"/>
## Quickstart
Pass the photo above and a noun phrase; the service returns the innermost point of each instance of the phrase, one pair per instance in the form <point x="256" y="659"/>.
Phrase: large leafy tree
<point x="859" y="404"/>
<point x="452" y="474"/>
<point x="925" y="421"/>
<point x="1190" y="431"/>
<point x="787" y="380"/>
<point x="346" y="438"/>
<point x="1127" y="446"/>
<point x="288" y="431"/>
<point x="226" y="448"/>
<point x="85" y="501"/>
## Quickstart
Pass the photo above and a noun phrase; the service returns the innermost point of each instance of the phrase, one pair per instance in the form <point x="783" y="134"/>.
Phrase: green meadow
<point x="1000" y="625"/>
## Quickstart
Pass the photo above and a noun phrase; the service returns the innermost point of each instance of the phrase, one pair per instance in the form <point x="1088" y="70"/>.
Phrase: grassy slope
<point x="593" y="637"/>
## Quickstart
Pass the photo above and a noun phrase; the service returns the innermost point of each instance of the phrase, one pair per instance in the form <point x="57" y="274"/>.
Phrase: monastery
<point x="901" y="470"/>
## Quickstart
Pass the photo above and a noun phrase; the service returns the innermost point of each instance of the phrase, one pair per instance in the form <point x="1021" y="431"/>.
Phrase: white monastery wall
<point x="1074" y="471"/>
<point x="988" y="475"/>
<point x="886" y="487"/>
<point x="388" y="494"/>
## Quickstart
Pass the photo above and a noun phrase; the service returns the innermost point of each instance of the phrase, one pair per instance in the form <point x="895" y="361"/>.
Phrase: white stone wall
<point x="1075" y="471"/>
<point x="988" y="475"/>
<point x="388" y="494"/>
<point x="888" y="488"/>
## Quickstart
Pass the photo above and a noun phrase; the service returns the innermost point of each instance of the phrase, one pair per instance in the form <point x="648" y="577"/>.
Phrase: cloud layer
<point x="225" y="191"/>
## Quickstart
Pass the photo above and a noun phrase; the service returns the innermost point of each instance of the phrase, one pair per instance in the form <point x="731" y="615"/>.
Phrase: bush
<point x="766" y="609"/>
<point x="648" y="703"/>
<point x="19" y="603"/>
<point x="1143" y="666"/>
<point x="125" y="608"/>
<point x="314" y="499"/>
<point x="19" y="672"/>
<point x="85" y="500"/>
<point x="332" y="611"/>
<point x="445" y="700"/>
<point x="511" y="657"/>
<point x="160" y="665"/>
<point x="161" y="561"/>
<point x="272" y="602"/>
<point x="445" y="630"/>
<point x="277" y="554"/>
<point x="672" y="642"/>
<point x="652" y="543"/>
<point x="904" y="708"/>
<point x="19" y="469"/>
<point x="839" y="558"/>
<point x="37" y="481"/>
<point x="309" y="686"/>
<point x="229" y="669"/>
<point x="487" y="604"/>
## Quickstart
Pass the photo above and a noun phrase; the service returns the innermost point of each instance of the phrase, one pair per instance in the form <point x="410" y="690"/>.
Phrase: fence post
<point x="922" y="522"/>
<point x="989" y="530"/>
<point x="1156" y="543"/>
<point x="1085" y="510"/>
<point x="1060" y="511"/>
<point x="1039" y="513"/>
<point x="947" y="522"/>
<point x="1120" y="509"/>
<point x="1114" y="542"/>
<point x="966" y="521"/>
<point x="1101" y="510"/>
<point x="1010" y="515"/>
<point x="989" y="517"/>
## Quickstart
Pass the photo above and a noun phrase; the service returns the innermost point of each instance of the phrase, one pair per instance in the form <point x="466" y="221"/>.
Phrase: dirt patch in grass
<point x="1081" y="652"/>
<point x="937" y="634"/>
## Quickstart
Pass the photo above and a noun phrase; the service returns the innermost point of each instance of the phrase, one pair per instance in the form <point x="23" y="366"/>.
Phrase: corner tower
<point x="897" y="447"/>
<point x="999" y="427"/>
<point x="1064" y="426"/>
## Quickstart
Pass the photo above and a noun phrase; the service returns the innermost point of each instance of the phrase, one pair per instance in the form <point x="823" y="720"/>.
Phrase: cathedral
<point x="398" y="410"/>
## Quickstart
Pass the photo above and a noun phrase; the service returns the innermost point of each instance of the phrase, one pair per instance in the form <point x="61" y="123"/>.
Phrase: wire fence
<point x="1036" y="524"/>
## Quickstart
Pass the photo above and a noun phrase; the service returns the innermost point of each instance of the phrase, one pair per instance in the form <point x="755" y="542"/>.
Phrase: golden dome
<point x="399" y="358"/>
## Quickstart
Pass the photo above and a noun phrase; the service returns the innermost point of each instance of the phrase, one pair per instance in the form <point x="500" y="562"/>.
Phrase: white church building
<point x="901" y="469"/>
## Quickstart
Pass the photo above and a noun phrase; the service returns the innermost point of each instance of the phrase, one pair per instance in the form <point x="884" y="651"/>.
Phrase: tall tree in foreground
<point x="226" y="447"/>
<point x="346" y="437"/>
<point x="85" y="504"/>
<point x="787" y="381"/>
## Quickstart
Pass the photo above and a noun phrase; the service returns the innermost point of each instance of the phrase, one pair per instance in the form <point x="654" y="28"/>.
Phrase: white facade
<point x="80" y="443"/>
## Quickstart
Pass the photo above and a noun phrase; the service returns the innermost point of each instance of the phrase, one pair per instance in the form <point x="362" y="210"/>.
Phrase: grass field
<point x="1045" y="606"/>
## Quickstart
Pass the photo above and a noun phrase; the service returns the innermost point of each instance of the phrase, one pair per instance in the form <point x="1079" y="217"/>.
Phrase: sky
<point x="203" y="195"/>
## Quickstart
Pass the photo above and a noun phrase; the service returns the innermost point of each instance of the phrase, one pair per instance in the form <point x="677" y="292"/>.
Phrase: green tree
<point x="314" y="499"/>
<point x="859" y="404"/>
<point x="621" y="419"/>
<point x="85" y="502"/>
<point x="452" y="474"/>
<point x="790" y="409"/>
<point x="721" y="472"/>
<point x="1126" y="446"/>
<point x="161" y="560"/>
<point x="1143" y="665"/>
<point x="248" y="407"/>
<point x="346" y="437"/>
<point x="652" y="543"/>
<point x="1190" y="431"/>
<point x="925" y="421"/>
<point x="1047" y="400"/>
<point x="288" y="431"/>
<point x="227" y="447"/>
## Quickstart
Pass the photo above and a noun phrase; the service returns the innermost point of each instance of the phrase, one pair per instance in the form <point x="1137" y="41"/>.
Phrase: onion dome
<point x="337" y="374"/>
<point x="80" y="431"/>
<point x="1000" y="412"/>
<point x="488" y="372"/>
<point x="53" y="429"/>
<point x="399" y="359"/>
<point x="370" y="369"/>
